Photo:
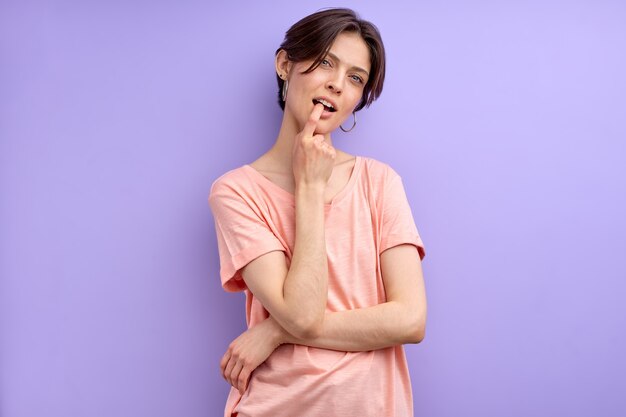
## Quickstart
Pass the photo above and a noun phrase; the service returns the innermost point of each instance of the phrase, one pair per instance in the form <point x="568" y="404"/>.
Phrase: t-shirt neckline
<point x="263" y="180"/>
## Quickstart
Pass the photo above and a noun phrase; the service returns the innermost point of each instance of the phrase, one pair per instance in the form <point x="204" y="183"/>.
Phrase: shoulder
<point x="377" y="171"/>
<point x="231" y="187"/>
<point x="230" y="182"/>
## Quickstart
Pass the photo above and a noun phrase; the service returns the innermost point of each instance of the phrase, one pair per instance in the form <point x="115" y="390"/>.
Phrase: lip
<point x="326" y="114"/>
<point x="328" y="100"/>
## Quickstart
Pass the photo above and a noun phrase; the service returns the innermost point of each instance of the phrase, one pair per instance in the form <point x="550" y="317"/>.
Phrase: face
<point x="339" y="79"/>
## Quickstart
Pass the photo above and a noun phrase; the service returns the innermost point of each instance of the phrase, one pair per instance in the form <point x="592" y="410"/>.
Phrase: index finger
<point x="311" y="124"/>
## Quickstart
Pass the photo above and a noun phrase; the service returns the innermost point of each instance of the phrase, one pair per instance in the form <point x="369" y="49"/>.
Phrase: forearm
<point x="306" y="284"/>
<point x="377" y="327"/>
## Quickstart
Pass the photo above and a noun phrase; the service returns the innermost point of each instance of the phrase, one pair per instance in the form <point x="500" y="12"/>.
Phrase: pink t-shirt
<point x="254" y="216"/>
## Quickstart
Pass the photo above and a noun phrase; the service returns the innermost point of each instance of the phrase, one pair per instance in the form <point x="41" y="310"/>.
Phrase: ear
<point x="283" y="64"/>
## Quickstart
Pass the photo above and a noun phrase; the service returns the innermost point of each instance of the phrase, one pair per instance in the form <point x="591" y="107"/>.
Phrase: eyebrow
<point x="336" y="58"/>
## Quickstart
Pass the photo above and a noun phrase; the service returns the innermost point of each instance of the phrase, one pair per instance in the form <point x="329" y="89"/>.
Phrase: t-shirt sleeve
<point x="242" y="233"/>
<point x="398" y="225"/>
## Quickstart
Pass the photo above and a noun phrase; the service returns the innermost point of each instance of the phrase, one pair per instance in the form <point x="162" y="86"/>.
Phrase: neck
<point x="281" y="151"/>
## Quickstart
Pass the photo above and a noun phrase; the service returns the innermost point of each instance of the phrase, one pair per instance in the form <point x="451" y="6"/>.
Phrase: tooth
<point x="324" y="102"/>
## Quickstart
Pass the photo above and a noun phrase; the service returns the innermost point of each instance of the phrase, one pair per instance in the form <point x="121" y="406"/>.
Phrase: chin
<point x="324" y="130"/>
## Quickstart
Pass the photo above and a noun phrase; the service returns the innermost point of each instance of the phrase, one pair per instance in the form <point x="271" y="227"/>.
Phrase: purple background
<point x="506" y="121"/>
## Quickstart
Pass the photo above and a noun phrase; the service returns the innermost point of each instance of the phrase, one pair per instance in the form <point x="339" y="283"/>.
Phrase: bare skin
<point x="304" y="162"/>
<point x="270" y="166"/>
<point x="342" y="170"/>
<point x="296" y="297"/>
<point x="339" y="81"/>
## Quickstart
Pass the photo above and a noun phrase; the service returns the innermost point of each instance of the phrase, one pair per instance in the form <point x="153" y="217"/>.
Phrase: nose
<point x="335" y="84"/>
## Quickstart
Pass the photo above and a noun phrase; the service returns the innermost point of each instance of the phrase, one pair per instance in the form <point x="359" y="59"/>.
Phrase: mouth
<point x="328" y="106"/>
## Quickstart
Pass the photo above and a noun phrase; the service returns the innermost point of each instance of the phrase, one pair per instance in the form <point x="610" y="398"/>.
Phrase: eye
<point x="357" y="79"/>
<point x="326" y="61"/>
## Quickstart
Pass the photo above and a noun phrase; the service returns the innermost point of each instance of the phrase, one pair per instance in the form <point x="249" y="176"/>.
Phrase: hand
<point x="248" y="351"/>
<point x="313" y="158"/>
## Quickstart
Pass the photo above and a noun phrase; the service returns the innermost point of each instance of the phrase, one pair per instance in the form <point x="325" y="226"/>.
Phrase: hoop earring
<point x="285" y="87"/>
<point x="353" y="124"/>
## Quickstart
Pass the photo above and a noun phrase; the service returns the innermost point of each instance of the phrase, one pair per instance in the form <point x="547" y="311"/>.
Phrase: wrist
<point x="310" y="190"/>
<point x="278" y="335"/>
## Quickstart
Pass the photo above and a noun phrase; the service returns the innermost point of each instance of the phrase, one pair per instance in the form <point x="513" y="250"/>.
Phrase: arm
<point x="296" y="297"/>
<point x="400" y="320"/>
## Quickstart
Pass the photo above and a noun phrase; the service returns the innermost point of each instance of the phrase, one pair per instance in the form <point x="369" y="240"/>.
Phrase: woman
<point x="322" y="242"/>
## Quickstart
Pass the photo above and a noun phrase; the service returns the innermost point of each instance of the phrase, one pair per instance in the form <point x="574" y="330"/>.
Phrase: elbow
<point x="310" y="332"/>
<point x="417" y="336"/>
<point x="308" y="328"/>
<point x="416" y="331"/>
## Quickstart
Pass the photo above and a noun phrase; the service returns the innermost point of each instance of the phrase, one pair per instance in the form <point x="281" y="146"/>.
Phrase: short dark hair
<point x="312" y="37"/>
